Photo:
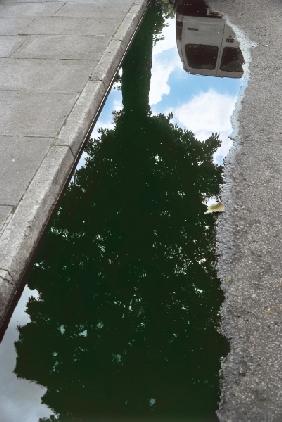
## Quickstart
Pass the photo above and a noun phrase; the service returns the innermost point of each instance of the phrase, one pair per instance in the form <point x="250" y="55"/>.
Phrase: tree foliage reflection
<point x="126" y="321"/>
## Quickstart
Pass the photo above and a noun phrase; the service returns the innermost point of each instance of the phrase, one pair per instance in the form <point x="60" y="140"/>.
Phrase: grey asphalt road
<point x="250" y="231"/>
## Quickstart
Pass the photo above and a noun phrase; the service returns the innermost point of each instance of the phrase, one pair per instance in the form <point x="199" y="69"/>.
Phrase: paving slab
<point x="57" y="60"/>
<point x="33" y="113"/>
<point x="62" y="47"/>
<point x="5" y="211"/>
<point x="93" y="9"/>
<point x="27" y="8"/>
<point x="8" y="45"/>
<point x="14" y="26"/>
<point x="22" y="158"/>
<point x="39" y="75"/>
<point x="61" y="25"/>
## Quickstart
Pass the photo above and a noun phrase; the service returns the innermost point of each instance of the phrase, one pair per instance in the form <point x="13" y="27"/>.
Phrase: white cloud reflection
<point x="168" y="37"/>
<point x="165" y="61"/>
<point x="206" y="113"/>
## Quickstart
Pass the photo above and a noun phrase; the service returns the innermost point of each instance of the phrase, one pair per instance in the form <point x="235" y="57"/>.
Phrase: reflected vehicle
<point x="206" y="43"/>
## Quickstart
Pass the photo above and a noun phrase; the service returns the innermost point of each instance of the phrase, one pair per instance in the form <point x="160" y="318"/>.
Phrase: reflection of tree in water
<point x="129" y="295"/>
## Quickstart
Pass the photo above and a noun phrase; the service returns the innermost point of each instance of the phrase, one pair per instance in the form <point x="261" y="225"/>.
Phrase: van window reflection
<point x="232" y="60"/>
<point x="201" y="56"/>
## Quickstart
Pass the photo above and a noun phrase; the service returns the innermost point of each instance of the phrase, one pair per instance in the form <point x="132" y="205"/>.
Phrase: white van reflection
<point x="206" y="44"/>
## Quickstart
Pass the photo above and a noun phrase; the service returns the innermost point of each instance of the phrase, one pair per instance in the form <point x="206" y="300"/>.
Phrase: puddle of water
<point x="120" y="316"/>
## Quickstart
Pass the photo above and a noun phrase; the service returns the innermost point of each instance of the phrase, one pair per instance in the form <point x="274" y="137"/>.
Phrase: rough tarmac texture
<point x="250" y="231"/>
<point x="57" y="60"/>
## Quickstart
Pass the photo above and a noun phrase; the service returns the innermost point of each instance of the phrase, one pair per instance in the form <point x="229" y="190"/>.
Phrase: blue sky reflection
<point x="202" y="104"/>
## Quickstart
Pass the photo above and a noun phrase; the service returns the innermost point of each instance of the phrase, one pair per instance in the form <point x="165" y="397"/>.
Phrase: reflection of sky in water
<point x="20" y="400"/>
<point x="113" y="103"/>
<point x="201" y="104"/>
<point x="105" y="121"/>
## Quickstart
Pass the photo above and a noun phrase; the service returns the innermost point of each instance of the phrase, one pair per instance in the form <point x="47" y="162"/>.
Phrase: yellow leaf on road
<point x="218" y="207"/>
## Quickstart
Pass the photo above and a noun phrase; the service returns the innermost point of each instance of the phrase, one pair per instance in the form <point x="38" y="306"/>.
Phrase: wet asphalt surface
<point x="250" y="230"/>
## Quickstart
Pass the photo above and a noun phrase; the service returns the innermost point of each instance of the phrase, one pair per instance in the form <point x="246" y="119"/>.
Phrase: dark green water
<point x="124" y="326"/>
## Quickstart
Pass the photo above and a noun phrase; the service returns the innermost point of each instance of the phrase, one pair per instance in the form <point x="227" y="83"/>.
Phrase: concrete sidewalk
<point x="57" y="60"/>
